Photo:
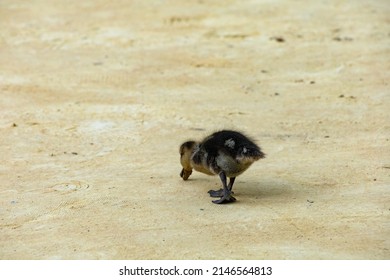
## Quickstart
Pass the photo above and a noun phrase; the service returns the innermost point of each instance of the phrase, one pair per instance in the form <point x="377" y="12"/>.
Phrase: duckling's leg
<point x="226" y="192"/>
<point x="231" y="182"/>
<point x="219" y="193"/>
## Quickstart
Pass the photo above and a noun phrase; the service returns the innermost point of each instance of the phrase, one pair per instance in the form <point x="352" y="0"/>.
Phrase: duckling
<point x="225" y="153"/>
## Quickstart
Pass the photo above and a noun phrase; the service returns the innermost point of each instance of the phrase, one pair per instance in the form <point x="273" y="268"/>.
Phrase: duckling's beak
<point x="185" y="174"/>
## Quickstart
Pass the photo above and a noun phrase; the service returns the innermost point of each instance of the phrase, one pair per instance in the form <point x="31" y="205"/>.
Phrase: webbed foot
<point x="225" y="199"/>
<point x="225" y="194"/>
<point x="218" y="193"/>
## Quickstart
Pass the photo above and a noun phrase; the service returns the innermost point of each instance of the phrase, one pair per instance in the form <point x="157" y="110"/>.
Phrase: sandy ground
<point x="97" y="96"/>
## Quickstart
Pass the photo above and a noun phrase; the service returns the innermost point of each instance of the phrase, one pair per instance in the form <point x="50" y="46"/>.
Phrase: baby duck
<point x="226" y="153"/>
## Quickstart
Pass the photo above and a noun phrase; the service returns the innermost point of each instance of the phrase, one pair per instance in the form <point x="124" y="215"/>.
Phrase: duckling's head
<point x="186" y="150"/>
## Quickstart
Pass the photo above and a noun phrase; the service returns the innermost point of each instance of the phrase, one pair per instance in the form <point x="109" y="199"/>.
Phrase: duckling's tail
<point x="260" y="155"/>
<point x="251" y="153"/>
<point x="257" y="154"/>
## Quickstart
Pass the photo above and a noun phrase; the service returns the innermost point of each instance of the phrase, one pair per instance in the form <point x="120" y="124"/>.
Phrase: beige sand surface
<point x="97" y="96"/>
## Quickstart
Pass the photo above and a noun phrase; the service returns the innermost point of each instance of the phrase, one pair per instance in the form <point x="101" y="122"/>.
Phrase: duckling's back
<point x="234" y="143"/>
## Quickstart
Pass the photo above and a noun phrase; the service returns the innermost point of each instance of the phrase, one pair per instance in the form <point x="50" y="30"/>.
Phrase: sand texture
<point x="96" y="97"/>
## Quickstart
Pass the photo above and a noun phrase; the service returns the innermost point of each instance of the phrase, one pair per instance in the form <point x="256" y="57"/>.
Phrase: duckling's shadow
<point x="262" y="189"/>
<point x="257" y="188"/>
<point x="243" y="188"/>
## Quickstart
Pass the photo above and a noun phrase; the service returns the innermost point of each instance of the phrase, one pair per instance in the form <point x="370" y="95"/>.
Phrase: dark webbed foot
<point x="225" y="194"/>
<point x="218" y="193"/>
<point x="225" y="199"/>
